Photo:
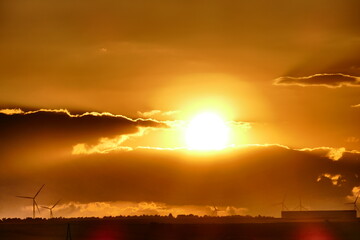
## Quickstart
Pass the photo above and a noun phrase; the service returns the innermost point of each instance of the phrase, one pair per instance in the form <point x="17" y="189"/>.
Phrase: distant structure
<point x="33" y="200"/>
<point x="303" y="213"/>
<point x="319" y="215"/>
<point x="282" y="203"/>
<point x="215" y="211"/>
<point x="51" y="208"/>
<point x="68" y="232"/>
<point x="354" y="203"/>
<point x="301" y="207"/>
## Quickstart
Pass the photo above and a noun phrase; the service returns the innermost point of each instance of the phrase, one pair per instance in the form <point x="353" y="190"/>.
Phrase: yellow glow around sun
<point x="207" y="131"/>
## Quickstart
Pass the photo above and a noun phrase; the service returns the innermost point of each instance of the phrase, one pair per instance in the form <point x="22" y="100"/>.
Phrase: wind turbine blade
<point x="356" y="199"/>
<point x="45" y="207"/>
<point x="56" y="203"/>
<point x="39" y="190"/>
<point x="37" y="206"/>
<point x="24" y="197"/>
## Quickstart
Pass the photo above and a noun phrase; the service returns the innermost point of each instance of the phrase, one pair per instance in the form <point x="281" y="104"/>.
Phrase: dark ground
<point x="112" y="229"/>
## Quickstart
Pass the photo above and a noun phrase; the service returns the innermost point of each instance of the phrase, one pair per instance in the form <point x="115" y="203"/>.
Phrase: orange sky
<point x="284" y="76"/>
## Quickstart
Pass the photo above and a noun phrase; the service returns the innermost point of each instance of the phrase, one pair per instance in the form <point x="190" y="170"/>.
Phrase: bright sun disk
<point x="207" y="131"/>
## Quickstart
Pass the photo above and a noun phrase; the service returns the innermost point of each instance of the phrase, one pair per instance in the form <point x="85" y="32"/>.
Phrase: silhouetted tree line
<point x="146" y="219"/>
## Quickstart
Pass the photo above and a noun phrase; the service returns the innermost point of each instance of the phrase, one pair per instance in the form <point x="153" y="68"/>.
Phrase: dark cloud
<point x="251" y="177"/>
<point x="57" y="129"/>
<point x="325" y="80"/>
<point x="15" y="122"/>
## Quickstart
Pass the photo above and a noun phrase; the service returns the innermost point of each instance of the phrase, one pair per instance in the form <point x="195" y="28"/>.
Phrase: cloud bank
<point x="238" y="178"/>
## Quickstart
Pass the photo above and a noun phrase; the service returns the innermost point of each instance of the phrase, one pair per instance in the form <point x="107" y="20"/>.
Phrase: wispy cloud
<point x="330" y="80"/>
<point x="243" y="125"/>
<point x="18" y="111"/>
<point x="106" y="145"/>
<point x="352" y="139"/>
<point x="157" y="113"/>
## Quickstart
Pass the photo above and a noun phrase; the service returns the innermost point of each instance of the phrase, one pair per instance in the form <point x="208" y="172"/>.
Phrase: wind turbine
<point x="301" y="207"/>
<point x="216" y="210"/>
<point x="282" y="203"/>
<point x="355" y="203"/>
<point x="51" y="208"/>
<point x="33" y="200"/>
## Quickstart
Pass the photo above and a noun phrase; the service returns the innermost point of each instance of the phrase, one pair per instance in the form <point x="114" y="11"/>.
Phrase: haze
<point x="96" y="97"/>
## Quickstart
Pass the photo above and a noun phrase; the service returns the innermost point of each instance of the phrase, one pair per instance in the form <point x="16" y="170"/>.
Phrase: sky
<point x="96" y="98"/>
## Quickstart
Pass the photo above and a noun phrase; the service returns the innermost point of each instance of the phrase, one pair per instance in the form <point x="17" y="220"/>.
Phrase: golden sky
<point x="96" y="98"/>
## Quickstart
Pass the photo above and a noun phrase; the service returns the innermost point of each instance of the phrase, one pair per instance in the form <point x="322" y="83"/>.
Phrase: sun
<point x="207" y="131"/>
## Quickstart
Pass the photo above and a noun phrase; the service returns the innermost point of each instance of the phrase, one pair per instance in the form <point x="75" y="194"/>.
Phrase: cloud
<point x="106" y="145"/>
<point x="354" y="193"/>
<point x="330" y="80"/>
<point x="230" y="211"/>
<point x="85" y="133"/>
<point x="334" y="154"/>
<point x="237" y="177"/>
<point x="356" y="106"/>
<point x="243" y="125"/>
<point x="50" y="132"/>
<point x="157" y="112"/>
<point x="19" y="111"/>
<point x="11" y="111"/>
<point x="60" y="126"/>
<point x="336" y="179"/>
<point x="149" y="113"/>
<point x="352" y="139"/>
<point x="257" y="146"/>
<point x="103" y="50"/>
<point x="120" y="208"/>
